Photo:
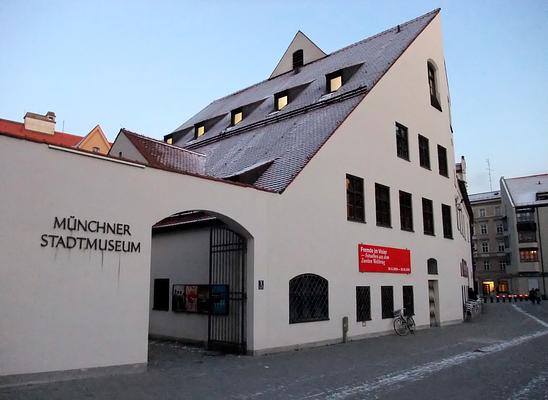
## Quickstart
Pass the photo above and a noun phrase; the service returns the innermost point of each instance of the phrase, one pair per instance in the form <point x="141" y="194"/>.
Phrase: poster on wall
<point x="384" y="259"/>
<point x="191" y="298"/>
<point x="178" y="298"/>
<point x="201" y="299"/>
<point x="219" y="299"/>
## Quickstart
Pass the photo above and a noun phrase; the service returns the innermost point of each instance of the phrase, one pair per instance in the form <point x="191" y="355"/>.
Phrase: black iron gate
<point x="227" y="253"/>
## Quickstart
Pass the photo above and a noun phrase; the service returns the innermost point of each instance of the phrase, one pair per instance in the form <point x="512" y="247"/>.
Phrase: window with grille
<point x="424" y="152"/>
<point x="428" y="216"/>
<point x="161" y="295"/>
<point x="442" y="161"/>
<point x="382" y="202"/>
<point x="308" y="299"/>
<point x="363" y="303"/>
<point x="402" y="142"/>
<point x="387" y="301"/>
<point x="406" y="211"/>
<point x="408" y="301"/>
<point x="432" y="264"/>
<point x="446" y="217"/>
<point x="354" y="199"/>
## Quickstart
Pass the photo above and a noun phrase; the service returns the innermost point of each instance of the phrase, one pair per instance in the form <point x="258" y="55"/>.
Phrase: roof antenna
<point x="399" y="29"/>
<point x="489" y="170"/>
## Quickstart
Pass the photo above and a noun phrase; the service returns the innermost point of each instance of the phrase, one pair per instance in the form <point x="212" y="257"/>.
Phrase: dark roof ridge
<point x="127" y="131"/>
<point x="436" y="11"/>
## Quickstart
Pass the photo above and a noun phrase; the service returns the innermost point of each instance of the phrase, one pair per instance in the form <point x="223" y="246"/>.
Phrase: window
<point x="281" y="100"/>
<point x="406" y="211"/>
<point x="442" y="161"/>
<point x="500" y="228"/>
<point x="334" y="81"/>
<point x="483" y="229"/>
<point x="161" y="295"/>
<point x="502" y="265"/>
<point x="402" y="142"/>
<point x="354" y="199"/>
<point x="169" y="140"/>
<point x="363" y="303"/>
<point x="424" y="152"/>
<point x="503" y="286"/>
<point x="236" y="116"/>
<point x="387" y="302"/>
<point x="199" y="130"/>
<point x="432" y="83"/>
<point x="497" y="211"/>
<point x="95" y="149"/>
<point x="308" y="299"/>
<point x="298" y="59"/>
<point x="484" y="247"/>
<point x="446" y="217"/>
<point x="482" y="212"/>
<point x="527" y="236"/>
<point x="486" y="265"/>
<point x="541" y="196"/>
<point x="382" y="202"/>
<point x="528" y="255"/>
<point x="428" y="216"/>
<point x="408" y="302"/>
<point x="501" y="246"/>
<point x="432" y="266"/>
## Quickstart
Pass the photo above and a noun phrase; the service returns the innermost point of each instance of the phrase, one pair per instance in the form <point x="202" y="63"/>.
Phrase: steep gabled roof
<point x="293" y="135"/>
<point x="524" y="190"/>
<point x="17" y="129"/>
<point x="162" y="155"/>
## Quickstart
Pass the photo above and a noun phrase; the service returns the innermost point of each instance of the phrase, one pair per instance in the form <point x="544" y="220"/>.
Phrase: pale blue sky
<point x="149" y="65"/>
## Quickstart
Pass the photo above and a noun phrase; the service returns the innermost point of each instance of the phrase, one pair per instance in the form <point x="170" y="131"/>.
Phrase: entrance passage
<point x="227" y="254"/>
<point x="433" y="301"/>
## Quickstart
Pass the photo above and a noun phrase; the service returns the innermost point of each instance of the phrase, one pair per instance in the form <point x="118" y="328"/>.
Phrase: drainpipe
<point x="543" y="276"/>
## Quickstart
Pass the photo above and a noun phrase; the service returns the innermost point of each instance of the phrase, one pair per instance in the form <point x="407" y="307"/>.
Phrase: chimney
<point x="40" y="123"/>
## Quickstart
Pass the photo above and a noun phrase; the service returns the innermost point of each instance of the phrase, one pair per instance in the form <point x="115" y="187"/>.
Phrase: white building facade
<point x="380" y="176"/>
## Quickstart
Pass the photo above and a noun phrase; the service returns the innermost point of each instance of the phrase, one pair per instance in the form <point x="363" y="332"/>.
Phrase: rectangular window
<point x="402" y="142"/>
<point x="161" y="295"/>
<point x="236" y="116"/>
<point x="428" y="216"/>
<point x="499" y="228"/>
<point x="382" y="202"/>
<point x="497" y="210"/>
<point x="354" y="199"/>
<point x="483" y="229"/>
<point x="503" y="286"/>
<point x="485" y="247"/>
<point x="199" y="130"/>
<point x="442" y="161"/>
<point x="482" y="212"/>
<point x="502" y="265"/>
<point x="408" y="301"/>
<point x="501" y="246"/>
<point x="528" y="255"/>
<point x="486" y="265"/>
<point x="363" y="303"/>
<point x="281" y="100"/>
<point x="424" y="152"/>
<point x="334" y="81"/>
<point x="446" y="218"/>
<point x="406" y="211"/>
<point x="387" y="301"/>
<point x="527" y="236"/>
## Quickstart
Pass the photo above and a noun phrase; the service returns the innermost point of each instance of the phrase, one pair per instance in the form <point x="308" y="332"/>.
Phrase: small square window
<point x="237" y="116"/>
<point x="334" y="81"/>
<point x="169" y="140"/>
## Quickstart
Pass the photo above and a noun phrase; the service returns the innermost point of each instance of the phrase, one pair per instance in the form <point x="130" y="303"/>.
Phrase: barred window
<point x="308" y="299"/>
<point x="406" y="211"/>
<point x="387" y="301"/>
<point x="432" y="264"/>
<point x="161" y="295"/>
<point x="382" y="201"/>
<point x="428" y="216"/>
<point x="363" y="303"/>
<point x="354" y="199"/>
<point x="424" y="152"/>
<point x="402" y="142"/>
<point x="408" y="300"/>
<point x="446" y="217"/>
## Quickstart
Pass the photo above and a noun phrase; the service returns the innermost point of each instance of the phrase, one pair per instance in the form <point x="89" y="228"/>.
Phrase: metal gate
<point x="227" y="254"/>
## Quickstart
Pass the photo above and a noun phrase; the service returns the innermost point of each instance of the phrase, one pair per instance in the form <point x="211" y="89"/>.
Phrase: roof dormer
<point x="301" y="51"/>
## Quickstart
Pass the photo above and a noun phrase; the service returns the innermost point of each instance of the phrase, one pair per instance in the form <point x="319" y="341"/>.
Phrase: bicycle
<point x="403" y="324"/>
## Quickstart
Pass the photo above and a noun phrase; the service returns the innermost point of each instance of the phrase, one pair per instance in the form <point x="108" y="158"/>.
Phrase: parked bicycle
<point x="403" y="324"/>
<point x="472" y="308"/>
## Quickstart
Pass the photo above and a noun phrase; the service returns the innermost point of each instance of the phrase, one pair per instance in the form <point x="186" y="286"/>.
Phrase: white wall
<point x="183" y="257"/>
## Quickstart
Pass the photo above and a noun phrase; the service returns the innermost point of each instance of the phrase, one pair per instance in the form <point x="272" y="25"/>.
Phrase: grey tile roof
<point x="487" y="196"/>
<point x="293" y="135"/>
<point x="523" y="190"/>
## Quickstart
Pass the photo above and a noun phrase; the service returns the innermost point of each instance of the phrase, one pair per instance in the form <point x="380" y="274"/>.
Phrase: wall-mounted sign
<point x="72" y="240"/>
<point x="384" y="259"/>
<point x="200" y="299"/>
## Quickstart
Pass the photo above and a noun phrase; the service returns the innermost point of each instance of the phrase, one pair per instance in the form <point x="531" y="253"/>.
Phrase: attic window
<point x="236" y="117"/>
<point x="199" y="130"/>
<point x="433" y="86"/>
<point x="542" y="196"/>
<point x="334" y="81"/>
<point x="298" y="59"/>
<point x="169" y="140"/>
<point x="281" y="99"/>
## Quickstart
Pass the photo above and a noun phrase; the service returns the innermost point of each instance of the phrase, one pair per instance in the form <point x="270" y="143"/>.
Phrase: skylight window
<point x="334" y="81"/>
<point x="199" y="130"/>
<point x="237" y="116"/>
<point x="281" y="100"/>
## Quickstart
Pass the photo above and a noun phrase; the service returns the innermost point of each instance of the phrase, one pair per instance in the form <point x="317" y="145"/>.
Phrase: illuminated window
<point x="281" y="100"/>
<point x="334" y="81"/>
<point x="503" y="286"/>
<point x="199" y="130"/>
<point x="488" y="287"/>
<point x="236" y="117"/>
<point x="169" y="141"/>
<point x="528" y="255"/>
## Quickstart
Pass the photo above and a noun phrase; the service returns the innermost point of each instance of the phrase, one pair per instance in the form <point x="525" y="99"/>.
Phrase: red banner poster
<point x="384" y="259"/>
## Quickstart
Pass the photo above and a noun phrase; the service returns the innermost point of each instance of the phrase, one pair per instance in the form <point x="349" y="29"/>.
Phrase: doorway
<point x="433" y="300"/>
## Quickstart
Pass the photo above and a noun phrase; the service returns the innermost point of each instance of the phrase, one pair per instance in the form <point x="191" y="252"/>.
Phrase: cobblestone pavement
<point x="503" y="354"/>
